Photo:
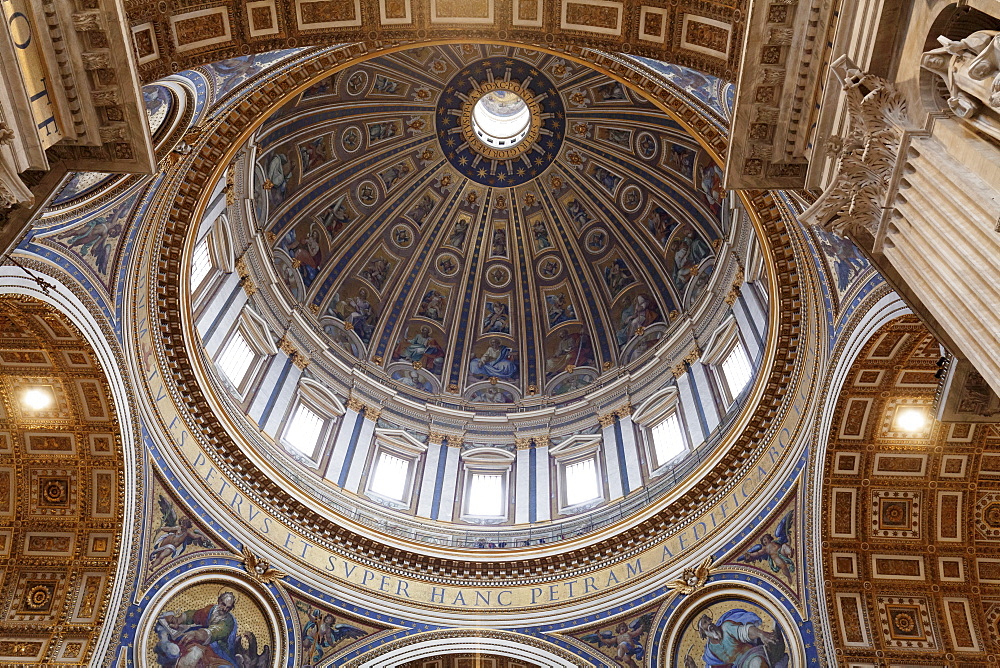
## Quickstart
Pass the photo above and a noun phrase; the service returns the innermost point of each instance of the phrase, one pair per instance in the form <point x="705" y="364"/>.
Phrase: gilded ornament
<point x="260" y="569"/>
<point x="692" y="578"/>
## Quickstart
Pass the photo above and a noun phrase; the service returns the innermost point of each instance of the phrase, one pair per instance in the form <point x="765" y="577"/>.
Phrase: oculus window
<point x="501" y="118"/>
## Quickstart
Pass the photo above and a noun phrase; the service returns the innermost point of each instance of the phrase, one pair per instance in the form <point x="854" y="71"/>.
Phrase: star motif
<point x="502" y="177"/>
<point x="450" y="141"/>
<point x="481" y="173"/>
<point x="534" y="72"/>
<point x="463" y="160"/>
<point x="520" y="171"/>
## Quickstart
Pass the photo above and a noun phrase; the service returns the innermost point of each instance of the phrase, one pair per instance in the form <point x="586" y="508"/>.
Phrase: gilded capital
<point x="522" y="443"/>
<point x="606" y="420"/>
<point x="355" y="404"/>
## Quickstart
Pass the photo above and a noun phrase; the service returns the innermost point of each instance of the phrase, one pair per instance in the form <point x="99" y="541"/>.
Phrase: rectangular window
<point x="237" y="359"/>
<point x="201" y="264"/>
<point x="581" y="482"/>
<point x="391" y="476"/>
<point x="668" y="441"/>
<point x="486" y="495"/>
<point x="304" y="430"/>
<point x="736" y="370"/>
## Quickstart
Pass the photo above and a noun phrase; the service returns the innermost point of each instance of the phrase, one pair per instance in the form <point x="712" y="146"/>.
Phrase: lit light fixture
<point x="36" y="398"/>
<point x="911" y="420"/>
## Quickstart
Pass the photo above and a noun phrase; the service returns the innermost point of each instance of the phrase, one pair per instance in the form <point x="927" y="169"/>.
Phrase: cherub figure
<point x="626" y="638"/>
<point x="178" y="533"/>
<point x="776" y="549"/>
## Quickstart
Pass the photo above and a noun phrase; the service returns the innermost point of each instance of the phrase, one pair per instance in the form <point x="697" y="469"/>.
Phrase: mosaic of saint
<point x="448" y="268"/>
<point x="732" y="632"/>
<point x="214" y="624"/>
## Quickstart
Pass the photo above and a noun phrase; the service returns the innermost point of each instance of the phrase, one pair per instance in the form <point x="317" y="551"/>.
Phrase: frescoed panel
<point x="459" y="231"/>
<point x="604" y="177"/>
<point x="417" y="379"/>
<point x="387" y="86"/>
<point x="314" y="153"/>
<point x="307" y="247"/>
<point x="382" y="131"/>
<point x="616" y="275"/>
<point x="710" y="185"/>
<point x="422" y="208"/>
<point x="844" y="262"/>
<point x="540" y="239"/>
<point x="378" y="269"/>
<point x="281" y="176"/>
<point x="434" y="304"/>
<point x="494" y="358"/>
<point x="353" y="305"/>
<point x="660" y="224"/>
<point x="96" y="240"/>
<point x="685" y="253"/>
<point x="496" y="315"/>
<point x="576" y="210"/>
<point x="680" y="159"/>
<point x="733" y="632"/>
<point x="624" y="640"/>
<point x="640" y="344"/>
<point x="498" y="240"/>
<point x="217" y="624"/>
<point x="559" y="306"/>
<point x="633" y="314"/>
<point x="392" y="176"/>
<point x="421" y="346"/>
<point x="618" y="136"/>
<point x="326" y="631"/>
<point x="567" y="349"/>
<point x="492" y="394"/>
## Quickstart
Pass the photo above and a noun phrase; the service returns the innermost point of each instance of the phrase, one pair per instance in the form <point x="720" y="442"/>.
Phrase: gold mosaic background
<point x="910" y="521"/>
<point x="249" y="614"/>
<point x="61" y="490"/>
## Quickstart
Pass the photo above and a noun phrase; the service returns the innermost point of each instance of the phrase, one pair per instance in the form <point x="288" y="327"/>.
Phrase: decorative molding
<point x="260" y="569"/>
<point x="859" y="197"/>
<point x="692" y="578"/>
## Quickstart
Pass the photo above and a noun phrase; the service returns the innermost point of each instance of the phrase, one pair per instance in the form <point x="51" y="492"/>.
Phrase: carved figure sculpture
<point x="970" y="69"/>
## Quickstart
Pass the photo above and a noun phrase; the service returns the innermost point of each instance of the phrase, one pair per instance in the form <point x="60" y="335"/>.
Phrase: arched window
<point x="486" y="484"/>
<point x="662" y="429"/>
<point x="579" y="473"/>
<point x="727" y="356"/>
<point x="242" y="355"/>
<point x="312" y="421"/>
<point x="392" y="468"/>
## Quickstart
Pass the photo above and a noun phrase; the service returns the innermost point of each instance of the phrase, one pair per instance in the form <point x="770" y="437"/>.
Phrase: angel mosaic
<point x="421" y="348"/>
<point x="685" y="253"/>
<point x="174" y="535"/>
<point x="337" y="216"/>
<point x="322" y="633"/>
<point x="775" y="548"/>
<point x="625" y="640"/>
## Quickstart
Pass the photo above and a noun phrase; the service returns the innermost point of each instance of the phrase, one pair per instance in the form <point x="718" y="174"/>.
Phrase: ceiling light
<point x="911" y="420"/>
<point x="37" y="398"/>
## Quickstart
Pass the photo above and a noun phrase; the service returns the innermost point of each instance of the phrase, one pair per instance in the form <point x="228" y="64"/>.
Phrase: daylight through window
<point x="581" y="482"/>
<point x="486" y="495"/>
<point x="304" y="430"/>
<point x="390" y="476"/>
<point x="668" y="442"/>
<point x="737" y="370"/>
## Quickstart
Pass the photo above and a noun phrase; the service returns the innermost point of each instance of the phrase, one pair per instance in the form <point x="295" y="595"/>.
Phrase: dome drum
<point x="475" y="314"/>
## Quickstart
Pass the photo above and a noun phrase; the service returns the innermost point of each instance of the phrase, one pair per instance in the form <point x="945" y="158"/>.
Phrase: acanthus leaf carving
<point x="867" y="154"/>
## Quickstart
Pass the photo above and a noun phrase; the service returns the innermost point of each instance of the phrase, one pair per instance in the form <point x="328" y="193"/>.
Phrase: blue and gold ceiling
<point x="494" y="278"/>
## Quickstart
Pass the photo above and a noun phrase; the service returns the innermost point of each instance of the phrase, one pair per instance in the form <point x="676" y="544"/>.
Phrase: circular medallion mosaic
<point x="500" y="121"/>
